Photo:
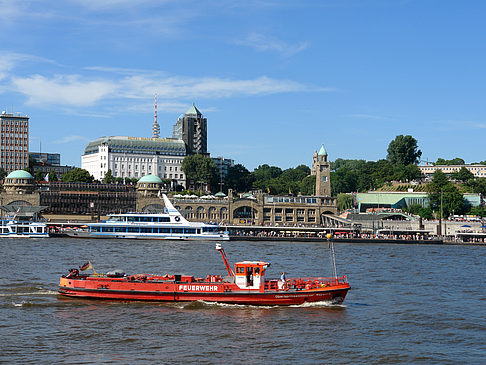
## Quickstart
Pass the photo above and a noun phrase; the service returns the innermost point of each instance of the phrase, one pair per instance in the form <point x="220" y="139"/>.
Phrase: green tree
<point x="239" y="179"/>
<point x="3" y="173"/>
<point x="477" y="185"/>
<point x="77" y="175"/>
<point x="454" y="161"/>
<point x="53" y="176"/>
<point x="442" y="193"/>
<point x="463" y="175"/>
<point x="344" y="201"/>
<point x="39" y="176"/>
<point x="308" y="185"/>
<point x="108" y="179"/>
<point x="201" y="170"/>
<point x="403" y="150"/>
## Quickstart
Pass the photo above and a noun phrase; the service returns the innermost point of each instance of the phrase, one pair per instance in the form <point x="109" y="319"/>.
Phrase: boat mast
<point x="332" y="258"/>
<point x="225" y="260"/>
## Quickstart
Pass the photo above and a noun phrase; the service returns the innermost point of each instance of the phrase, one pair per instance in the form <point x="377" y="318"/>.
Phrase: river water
<point x="408" y="304"/>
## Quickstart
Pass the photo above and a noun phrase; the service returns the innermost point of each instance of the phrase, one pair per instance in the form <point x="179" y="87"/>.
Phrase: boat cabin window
<point x="240" y="270"/>
<point x="257" y="270"/>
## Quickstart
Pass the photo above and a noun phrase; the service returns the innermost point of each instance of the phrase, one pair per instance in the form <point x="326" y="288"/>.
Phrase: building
<point x="20" y="197"/>
<point x="53" y="159"/>
<point x="135" y="157"/>
<point x="477" y="170"/>
<point x="46" y="169"/>
<point x="377" y="200"/>
<point x="48" y="162"/>
<point x="84" y="198"/>
<point x="14" y="141"/>
<point x="321" y="168"/>
<point x="222" y="165"/>
<point x="192" y="129"/>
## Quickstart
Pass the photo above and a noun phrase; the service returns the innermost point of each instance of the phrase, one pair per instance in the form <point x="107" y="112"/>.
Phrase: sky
<point x="275" y="79"/>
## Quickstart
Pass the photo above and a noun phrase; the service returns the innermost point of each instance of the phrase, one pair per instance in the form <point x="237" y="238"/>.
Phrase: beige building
<point x="477" y="170"/>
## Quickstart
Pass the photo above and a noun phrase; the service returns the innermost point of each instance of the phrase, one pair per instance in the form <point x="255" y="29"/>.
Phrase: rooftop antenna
<point x="155" y="126"/>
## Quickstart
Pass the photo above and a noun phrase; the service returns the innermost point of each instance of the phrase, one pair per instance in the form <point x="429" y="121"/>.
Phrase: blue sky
<point x="276" y="79"/>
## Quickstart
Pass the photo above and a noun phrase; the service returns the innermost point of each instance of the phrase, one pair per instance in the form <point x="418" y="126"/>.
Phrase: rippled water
<point x="408" y="304"/>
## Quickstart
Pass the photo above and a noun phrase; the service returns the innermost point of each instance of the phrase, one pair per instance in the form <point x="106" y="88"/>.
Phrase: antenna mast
<point x="155" y="126"/>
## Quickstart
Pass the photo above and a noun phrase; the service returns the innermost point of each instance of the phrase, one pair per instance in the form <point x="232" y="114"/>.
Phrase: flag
<point x="86" y="266"/>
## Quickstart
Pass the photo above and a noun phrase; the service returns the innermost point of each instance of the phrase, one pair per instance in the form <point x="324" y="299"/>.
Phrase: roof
<point x="322" y="151"/>
<point x="387" y="198"/>
<point x="20" y="174"/>
<point x="150" y="179"/>
<point x="193" y="111"/>
<point x="164" y="146"/>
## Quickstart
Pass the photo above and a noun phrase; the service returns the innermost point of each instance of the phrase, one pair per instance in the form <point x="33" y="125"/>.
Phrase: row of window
<point x="279" y="199"/>
<point x="290" y="211"/>
<point x="145" y="219"/>
<point x="168" y="230"/>
<point x="12" y="154"/>
<point x="12" y="135"/>
<point x="278" y="218"/>
<point x="14" y="122"/>
<point x="12" y="147"/>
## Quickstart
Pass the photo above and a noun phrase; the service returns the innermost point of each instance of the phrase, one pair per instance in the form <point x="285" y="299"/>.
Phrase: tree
<point x="308" y="185"/>
<point x="403" y="150"/>
<point x="444" y="197"/>
<point x="344" y="201"/>
<point x="53" y="176"/>
<point x="477" y="185"/>
<point x="39" y="176"/>
<point x="77" y="175"/>
<point x="3" y="173"/>
<point x="200" y="169"/>
<point x="463" y="175"/>
<point x="239" y="178"/>
<point x="108" y="179"/>
<point x="454" y="161"/>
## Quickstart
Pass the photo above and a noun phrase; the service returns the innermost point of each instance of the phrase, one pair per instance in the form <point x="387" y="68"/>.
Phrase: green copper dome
<point x="193" y="111"/>
<point x="20" y="174"/>
<point x="322" y="151"/>
<point x="150" y="179"/>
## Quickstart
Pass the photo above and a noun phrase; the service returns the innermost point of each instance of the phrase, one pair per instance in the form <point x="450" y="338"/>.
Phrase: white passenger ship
<point x="166" y="226"/>
<point x="23" y="229"/>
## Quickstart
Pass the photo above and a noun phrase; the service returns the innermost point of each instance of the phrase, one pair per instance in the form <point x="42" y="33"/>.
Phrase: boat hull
<point x="27" y="235"/>
<point x="228" y="293"/>
<point x="184" y="237"/>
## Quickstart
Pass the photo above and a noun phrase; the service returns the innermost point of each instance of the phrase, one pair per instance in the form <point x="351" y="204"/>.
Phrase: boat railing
<point x="304" y="283"/>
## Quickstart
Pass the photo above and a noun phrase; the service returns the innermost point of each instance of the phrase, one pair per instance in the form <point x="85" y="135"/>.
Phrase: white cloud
<point x="10" y="9"/>
<point x="369" y="116"/>
<point x="69" y="139"/>
<point x="79" y="91"/>
<point x="264" y="43"/>
<point x="63" y="90"/>
<point x="96" y="5"/>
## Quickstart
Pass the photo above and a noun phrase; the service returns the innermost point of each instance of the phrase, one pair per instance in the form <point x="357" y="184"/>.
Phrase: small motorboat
<point x="247" y="284"/>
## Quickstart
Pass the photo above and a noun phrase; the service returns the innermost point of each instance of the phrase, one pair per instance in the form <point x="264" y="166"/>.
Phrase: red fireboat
<point x="245" y="285"/>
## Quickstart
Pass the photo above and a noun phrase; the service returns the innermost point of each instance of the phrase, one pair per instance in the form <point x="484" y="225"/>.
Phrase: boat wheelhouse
<point x="170" y="225"/>
<point x="23" y="229"/>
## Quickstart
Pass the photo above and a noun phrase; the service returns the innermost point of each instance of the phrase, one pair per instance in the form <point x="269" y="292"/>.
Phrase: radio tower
<point x="155" y="126"/>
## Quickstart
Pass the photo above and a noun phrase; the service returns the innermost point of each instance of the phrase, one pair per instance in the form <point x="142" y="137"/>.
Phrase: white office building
<point x="135" y="157"/>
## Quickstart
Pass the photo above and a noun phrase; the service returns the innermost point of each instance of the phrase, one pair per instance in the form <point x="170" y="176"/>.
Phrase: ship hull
<point x="184" y="237"/>
<point x="211" y="292"/>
